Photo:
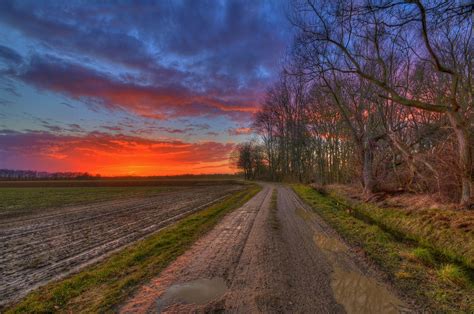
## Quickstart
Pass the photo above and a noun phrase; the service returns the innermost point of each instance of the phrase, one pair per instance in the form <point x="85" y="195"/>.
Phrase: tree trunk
<point x="367" y="169"/>
<point x="465" y="155"/>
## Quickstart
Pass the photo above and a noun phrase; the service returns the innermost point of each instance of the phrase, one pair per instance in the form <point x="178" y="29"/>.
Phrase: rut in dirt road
<point x="262" y="258"/>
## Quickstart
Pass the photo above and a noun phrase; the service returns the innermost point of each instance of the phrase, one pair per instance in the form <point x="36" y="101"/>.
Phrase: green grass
<point x="454" y="274"/>
<point x="274" y="200"/>
<point x="446" y="232"/>
<point x="22" y="199"/>
<point x="417" y="270"/>
<point x="274" y="222"/>
<point x="101" y="287"/>
<point x="424" y="255"/>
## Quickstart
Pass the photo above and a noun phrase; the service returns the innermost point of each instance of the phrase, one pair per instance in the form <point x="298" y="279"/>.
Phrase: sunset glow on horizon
<point x="134" y="89"/>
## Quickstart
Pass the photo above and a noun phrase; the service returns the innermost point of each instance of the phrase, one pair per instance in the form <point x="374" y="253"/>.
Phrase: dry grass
<point x="408" y="201"/>
<point x="451" y="273"/>
<point x="450" y="232"/>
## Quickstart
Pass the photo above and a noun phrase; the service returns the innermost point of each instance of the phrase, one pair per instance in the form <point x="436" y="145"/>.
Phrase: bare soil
<point x="37" y="247"/>
<point x="262" y="258"/>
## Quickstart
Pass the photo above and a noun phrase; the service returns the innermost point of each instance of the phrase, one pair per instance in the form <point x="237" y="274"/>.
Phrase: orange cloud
<point x="112" y="155"/>
<point x="158" y="100"/>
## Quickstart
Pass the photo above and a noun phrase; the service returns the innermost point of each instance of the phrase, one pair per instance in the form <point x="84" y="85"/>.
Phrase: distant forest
<point x="379" y="93"/>
<point x="7" y="174"/>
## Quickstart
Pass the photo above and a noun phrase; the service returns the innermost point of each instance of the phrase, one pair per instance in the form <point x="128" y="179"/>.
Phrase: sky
<point x="134" y="88"/>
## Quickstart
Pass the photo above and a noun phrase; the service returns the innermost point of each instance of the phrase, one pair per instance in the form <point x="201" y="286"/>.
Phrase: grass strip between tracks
<point x="100" y="287"/>
<point x="436" y="282"/>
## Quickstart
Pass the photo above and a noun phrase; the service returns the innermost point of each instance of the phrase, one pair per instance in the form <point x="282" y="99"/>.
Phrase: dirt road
<point x="44" y="245"/>
<point x="266" y="258"/>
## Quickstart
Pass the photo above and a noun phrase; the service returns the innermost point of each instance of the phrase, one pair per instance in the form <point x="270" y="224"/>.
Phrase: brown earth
<point x="265" y="259"/>
<point x="37" y="247"/>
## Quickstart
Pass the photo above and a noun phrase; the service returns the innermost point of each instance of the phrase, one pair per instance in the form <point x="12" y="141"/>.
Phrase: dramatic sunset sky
<point x="133" y="89"/>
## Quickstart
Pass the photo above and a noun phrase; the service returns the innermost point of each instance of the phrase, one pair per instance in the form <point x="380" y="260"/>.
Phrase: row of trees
<point x="377" y="91"/>
<point x="10" y="174"/>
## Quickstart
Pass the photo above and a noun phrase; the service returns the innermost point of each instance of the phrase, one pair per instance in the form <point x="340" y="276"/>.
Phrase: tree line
<point x="378" y="92"/>
<point x="10" y="174"/>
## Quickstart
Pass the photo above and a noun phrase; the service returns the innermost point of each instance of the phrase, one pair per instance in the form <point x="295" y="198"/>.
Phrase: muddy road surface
<point x="267" y="257"/>
<point x="40" y="246"/>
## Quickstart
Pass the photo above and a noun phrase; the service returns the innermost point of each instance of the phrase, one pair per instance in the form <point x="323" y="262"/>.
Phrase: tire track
<point x="217" y="254"/>
<point x="260" y="259"/>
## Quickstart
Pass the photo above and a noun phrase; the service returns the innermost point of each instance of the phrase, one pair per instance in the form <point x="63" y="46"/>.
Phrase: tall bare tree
<point x="415" y="54"/>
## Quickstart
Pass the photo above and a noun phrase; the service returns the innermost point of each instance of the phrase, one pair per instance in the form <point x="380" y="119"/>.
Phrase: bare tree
<point x="249" y="157"/>
<point x="415" y="54"/>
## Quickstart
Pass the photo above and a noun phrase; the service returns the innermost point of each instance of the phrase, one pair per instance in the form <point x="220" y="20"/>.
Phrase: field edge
<point x="102" y="286"/>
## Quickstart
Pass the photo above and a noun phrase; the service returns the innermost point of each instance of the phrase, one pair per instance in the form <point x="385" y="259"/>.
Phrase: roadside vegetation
<point x="101" y="287"/>
<point x="427" y="262"/>
<point x="447" y="232"/>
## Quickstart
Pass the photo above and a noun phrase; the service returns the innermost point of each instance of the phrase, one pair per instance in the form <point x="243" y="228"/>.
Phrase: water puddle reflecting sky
<point x="303" y="213"/>
<point x="361" y="294"/>
<point x="358" y="293"/>
<point x="329" y="244"/>
<point x="199" y="291"/>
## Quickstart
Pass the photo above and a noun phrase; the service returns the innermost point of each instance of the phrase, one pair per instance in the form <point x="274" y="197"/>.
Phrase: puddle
<point x="329" y="244"/>
<point x="303" y="213"/>
<point x="199" y="291"/>
<point x="358" y="293"/>
<point x="361" y="294"/>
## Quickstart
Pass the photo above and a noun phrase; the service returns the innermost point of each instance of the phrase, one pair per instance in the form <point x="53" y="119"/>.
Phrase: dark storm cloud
<point x="230" y="35"/>
<point x="181" y="58"/>
<point x="61" y="27"/>
<point x="10" y="55"/>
